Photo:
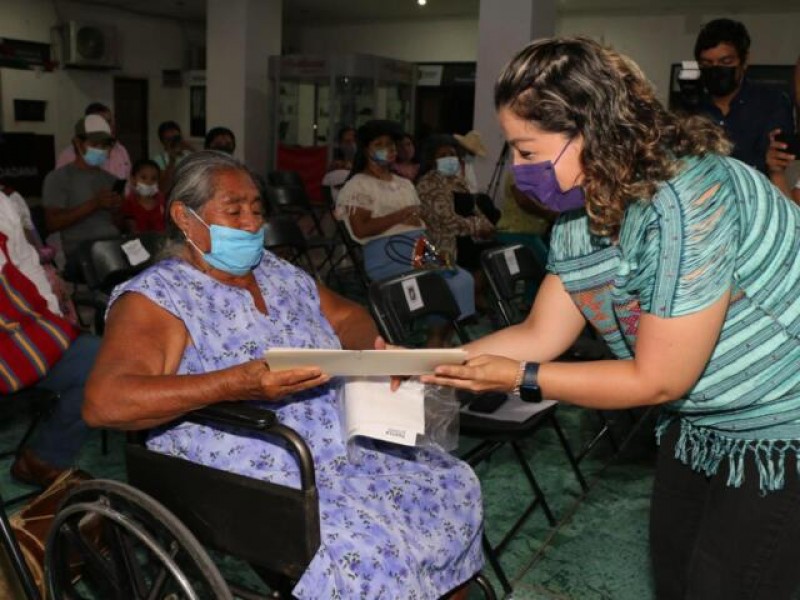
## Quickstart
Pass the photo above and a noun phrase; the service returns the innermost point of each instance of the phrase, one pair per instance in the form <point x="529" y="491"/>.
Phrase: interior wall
<point x="146" y="46"/>
<point x="655" y="41"/>
<point x="445" y="40"/>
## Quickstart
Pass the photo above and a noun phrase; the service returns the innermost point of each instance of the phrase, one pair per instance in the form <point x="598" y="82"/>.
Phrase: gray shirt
<point x="70" y="186"/>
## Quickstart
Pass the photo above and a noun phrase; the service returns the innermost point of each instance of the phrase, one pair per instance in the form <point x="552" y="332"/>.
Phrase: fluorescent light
<point x="422" y="2"/>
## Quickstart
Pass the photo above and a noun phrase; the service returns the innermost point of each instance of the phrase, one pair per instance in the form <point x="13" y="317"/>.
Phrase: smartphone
<point x="792" y="141"/>
<point x="119" y="186"/>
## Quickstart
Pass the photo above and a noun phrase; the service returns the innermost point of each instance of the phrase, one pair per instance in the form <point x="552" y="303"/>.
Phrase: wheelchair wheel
<point x="110" y="541"/>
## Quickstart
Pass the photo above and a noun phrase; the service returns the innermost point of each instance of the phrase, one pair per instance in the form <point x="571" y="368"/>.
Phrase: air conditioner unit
<point x="90" y="46"/>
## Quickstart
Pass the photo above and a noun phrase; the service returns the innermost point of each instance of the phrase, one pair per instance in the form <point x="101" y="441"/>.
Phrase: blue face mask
<point x="95" y="157"/>
<point x="448" y="165"/>
<point x="380" y="156"/>
<point x="234" y="251"/>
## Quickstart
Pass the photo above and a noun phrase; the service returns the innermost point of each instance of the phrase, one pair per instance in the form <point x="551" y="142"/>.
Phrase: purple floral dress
<point x="399" y="523"/>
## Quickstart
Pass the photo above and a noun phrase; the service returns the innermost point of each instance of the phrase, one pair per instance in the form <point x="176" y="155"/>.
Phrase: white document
<point x="365" y="363"/>
<point x="135" y="251"/>
<point x="372" y="410"/>
<point x="514" y="410"/>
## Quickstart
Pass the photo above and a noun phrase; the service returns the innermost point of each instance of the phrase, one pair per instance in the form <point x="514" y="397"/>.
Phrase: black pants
<point x="709" y="541"/>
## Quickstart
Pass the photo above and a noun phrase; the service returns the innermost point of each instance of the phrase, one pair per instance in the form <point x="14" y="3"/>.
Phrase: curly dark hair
<point x="723" y="31"/>
<point x="631" y="143"/>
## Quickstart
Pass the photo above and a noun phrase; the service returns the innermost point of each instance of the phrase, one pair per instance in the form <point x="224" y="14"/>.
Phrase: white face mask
<point x="144" y="189"/>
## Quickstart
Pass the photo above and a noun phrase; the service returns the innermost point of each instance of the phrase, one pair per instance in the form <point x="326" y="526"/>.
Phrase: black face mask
<point x="719" y="81"/>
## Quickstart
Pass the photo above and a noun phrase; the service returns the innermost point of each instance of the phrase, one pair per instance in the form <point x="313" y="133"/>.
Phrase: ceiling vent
<point x="90" y="46"/>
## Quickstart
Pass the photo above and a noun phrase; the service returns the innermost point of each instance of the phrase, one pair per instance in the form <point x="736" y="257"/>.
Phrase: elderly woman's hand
<point x="263" y="384"/>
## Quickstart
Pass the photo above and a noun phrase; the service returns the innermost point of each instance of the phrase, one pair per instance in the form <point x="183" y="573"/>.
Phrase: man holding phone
<point x="79" y="198"/>
<point x="751" y="113"/>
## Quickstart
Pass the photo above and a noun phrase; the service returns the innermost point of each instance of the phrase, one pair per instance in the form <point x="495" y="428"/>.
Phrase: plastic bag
<point x="416" y="415"/>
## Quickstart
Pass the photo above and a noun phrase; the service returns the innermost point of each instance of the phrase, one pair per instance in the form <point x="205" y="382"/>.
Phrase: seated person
<point x="220" y="139"/>
<point x="381" y="211"/>
<point x="439" y="183"/>
<point x="205" y="314"/>
<point x="175" y="150"/>
<point x="78" y="198"/>
<point x="143" y="208"/>
<point x="60" y="437"/>
<point x="344" y="150"/>
<point x="406" y="165"/>
<point x="750" y="112"/>
<point x="118" y="162"/>
<point x="46" y="253"/>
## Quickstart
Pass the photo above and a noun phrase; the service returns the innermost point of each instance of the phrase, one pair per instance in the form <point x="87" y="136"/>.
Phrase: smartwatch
<point x="529" y="390"/>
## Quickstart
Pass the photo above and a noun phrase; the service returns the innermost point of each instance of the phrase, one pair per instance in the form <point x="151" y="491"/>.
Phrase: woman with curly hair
<point x="687" y="263"/>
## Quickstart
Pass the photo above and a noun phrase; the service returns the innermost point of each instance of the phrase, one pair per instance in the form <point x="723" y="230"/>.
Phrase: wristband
<point x="529" y="390"/>
<point x="518" y="380"/>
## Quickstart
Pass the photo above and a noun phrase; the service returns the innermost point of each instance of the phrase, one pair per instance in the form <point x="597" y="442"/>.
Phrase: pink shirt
<point x="118" y="163"/>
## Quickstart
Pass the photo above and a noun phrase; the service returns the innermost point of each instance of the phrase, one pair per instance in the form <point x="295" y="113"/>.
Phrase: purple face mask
<point x="538" y="182"/>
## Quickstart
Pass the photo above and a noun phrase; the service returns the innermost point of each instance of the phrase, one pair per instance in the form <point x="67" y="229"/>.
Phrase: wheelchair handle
<point x="237" y="414"/>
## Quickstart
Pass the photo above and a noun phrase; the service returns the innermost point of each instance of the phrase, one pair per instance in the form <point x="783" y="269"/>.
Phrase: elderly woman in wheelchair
<point x="190" y="332"/>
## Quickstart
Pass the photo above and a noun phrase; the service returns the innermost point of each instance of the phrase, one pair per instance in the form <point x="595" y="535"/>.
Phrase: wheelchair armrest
<point x="237" y="414"/>
<point x="255" y="418"/>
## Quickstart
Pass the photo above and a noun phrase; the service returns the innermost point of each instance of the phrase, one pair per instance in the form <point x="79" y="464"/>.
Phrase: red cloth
<point x="311" y="162"/>
<point x="32" y="338"/>
<point x="145" y="219"/>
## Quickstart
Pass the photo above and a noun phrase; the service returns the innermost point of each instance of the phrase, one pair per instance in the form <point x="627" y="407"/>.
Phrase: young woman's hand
<point x="485" y="373"/>
<point x="380" y="344"/>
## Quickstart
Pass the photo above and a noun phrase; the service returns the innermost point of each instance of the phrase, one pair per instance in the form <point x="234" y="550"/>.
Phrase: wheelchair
<point x="147" y="541"/>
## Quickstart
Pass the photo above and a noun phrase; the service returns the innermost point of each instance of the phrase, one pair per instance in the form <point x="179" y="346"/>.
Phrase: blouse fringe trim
<point x="704" y="450"/>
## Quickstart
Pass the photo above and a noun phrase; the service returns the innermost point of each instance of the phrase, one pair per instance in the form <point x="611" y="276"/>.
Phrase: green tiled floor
<point x="598" y="550"/>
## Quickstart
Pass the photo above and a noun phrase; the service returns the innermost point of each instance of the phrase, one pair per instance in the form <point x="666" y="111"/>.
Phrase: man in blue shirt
<point x="751" y="113"/>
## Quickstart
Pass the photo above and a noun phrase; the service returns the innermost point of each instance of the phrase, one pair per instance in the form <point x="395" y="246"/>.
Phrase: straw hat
<point x="471" y="142"/>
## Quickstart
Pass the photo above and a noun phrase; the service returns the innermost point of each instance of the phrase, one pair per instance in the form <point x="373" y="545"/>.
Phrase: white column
<point x="504" y="27"/>
<point x="241" y="35"/>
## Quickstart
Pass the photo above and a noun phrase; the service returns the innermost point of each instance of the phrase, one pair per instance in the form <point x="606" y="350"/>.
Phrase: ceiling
<point x="330" y="11"/>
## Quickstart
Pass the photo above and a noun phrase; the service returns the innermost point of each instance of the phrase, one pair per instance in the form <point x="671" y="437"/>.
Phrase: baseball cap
<point x="94" y="128"/>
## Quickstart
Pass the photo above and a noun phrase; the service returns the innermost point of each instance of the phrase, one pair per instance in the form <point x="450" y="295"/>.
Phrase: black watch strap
<point x="529" y="390"/>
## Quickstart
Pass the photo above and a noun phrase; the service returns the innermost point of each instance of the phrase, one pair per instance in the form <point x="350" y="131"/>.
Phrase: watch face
<point x="530" y="394"/>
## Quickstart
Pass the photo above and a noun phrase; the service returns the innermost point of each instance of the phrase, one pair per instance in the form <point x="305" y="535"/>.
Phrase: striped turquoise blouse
<point x="677" y="254"/>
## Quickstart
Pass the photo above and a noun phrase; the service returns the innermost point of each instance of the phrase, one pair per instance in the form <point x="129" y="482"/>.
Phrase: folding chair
<point x="511" y="271"/>
<point x="283" y="236"/>
<point x="105" y="264"/>
<point x="285" y="178"/>
<point x="292" y="201"/>
<point x="395" y="313"/>
<point x="352" y="248"/>
<point x="9" y="546"/>
<point x="38" y="403"/>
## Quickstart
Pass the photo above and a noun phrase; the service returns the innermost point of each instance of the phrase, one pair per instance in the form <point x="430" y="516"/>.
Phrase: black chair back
<point x="104" y="263"/>
<point x="286" y="199"/>
<point x="283" y="232"/>
<point x="509" y="271"/>
<point x="397" y="302"/>
<point x="286" y="178"/>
